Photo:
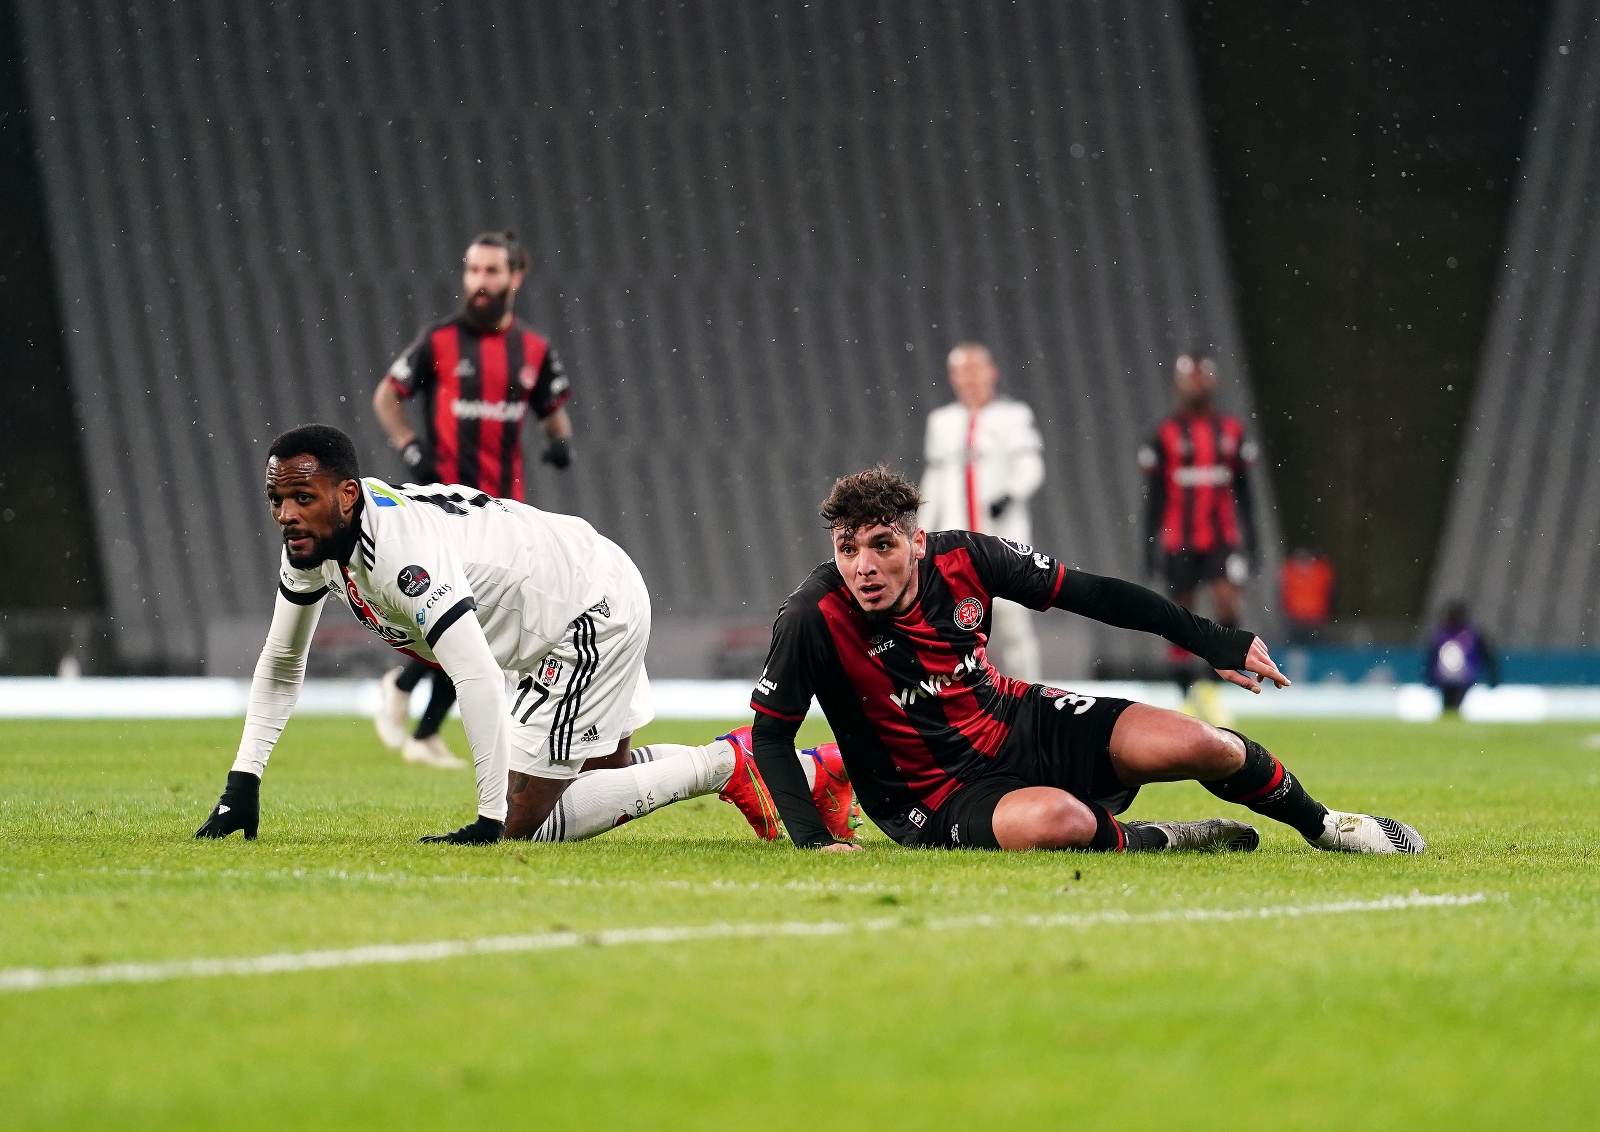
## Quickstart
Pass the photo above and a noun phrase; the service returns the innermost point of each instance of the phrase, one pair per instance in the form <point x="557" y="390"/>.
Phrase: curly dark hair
<point x="874" y="496"/>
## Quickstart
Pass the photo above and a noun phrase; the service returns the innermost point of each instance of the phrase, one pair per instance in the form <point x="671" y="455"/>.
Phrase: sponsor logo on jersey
<point x="600" y="607"/>
<point x="382" y="497"/>
<point x="933" y="685"/>
<point x="1051" y="693"/>
<point x="1042" y="561"/>
<point x="549" y="671"/>
<point x="1203" y="475"/>
<point x="969" y="612"/>
<point x="880" y="643"/>
<point x="527" y="377"/>
<point x="465" y="368"/>
<point x="433" y="598"/>
<point x="422" y="617"/>
<point x="955" y="833"/>
<point x="1021" y="548"/>
<point x="413" y="581"/>
<point x="364" y="614"/>
<point x="916" y="817"/>
<point x="764" y="686"/>
<point x="488" y="410"/>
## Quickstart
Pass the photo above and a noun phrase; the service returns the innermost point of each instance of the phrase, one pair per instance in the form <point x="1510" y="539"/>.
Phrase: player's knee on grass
<point x="1042" y="817"/>
<point x="529" y="800"/>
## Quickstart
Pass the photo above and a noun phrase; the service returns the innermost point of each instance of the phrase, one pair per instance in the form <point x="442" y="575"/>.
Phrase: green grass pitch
<point x="1485" y="1015"/>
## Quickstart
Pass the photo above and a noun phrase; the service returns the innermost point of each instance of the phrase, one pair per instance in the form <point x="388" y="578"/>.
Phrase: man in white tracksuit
<point x="984" y="464"/>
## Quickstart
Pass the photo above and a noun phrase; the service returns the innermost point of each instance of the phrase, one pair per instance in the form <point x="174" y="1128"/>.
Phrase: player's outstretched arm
<point x="273" y="692"/>
<point x="464" y="653"/>
<point x="1234" y="653"/>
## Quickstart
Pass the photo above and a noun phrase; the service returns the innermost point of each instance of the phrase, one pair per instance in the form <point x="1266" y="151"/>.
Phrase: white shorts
<point x="590" y="692"/>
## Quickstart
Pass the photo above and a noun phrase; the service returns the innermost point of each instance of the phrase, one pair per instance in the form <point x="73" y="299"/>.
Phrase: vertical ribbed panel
<point x="755" y="232"/>
<point x="1520" y="538"/>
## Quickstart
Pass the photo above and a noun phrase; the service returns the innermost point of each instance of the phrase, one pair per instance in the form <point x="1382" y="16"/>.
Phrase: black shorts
<point x="1187" y="570"/>
<point x="1061" y="739"/>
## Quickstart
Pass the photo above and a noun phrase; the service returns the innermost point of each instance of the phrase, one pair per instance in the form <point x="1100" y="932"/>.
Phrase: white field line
<point x="42" y="978"/>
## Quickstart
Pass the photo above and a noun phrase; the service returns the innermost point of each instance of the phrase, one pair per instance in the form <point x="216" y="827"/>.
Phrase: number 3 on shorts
<point x="1080" y="704"/>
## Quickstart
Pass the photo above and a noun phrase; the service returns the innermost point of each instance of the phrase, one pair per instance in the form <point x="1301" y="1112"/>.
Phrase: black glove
<point x="484" y="831"/>
<point x="998" y="507"/>
<point x="558" y="453"/>
<point x="418" y="463"/>
<point x="238" y="808"/>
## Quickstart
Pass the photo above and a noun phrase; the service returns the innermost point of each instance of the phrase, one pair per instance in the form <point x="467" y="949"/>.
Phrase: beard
<point x="322" y="548"/>
<point x="882" y="618"/>
<point x="486" y="316"/>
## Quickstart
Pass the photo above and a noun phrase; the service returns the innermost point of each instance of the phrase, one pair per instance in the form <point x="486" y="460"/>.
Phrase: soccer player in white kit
<point x="984" y="463"/>
<point x="478" y="586"/>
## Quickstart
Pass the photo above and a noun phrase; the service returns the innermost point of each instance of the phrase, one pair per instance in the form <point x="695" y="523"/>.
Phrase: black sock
<point x="411" y="675"/>
<point x="439" y="704"/>
<point x="1265" y="786"/>
<point x="1113" y="836"/>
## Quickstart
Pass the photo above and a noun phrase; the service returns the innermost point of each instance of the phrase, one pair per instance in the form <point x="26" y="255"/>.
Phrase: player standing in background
<point x="479" y="371"/>
<point x="1199" y="522"/>
<point x="984" y="463"/>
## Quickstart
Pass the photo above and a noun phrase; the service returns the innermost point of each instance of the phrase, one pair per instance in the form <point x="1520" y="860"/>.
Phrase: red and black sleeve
<point x="552" y="388"/>
<point x="413" y="369"/>
<point x="1013" y="570"/>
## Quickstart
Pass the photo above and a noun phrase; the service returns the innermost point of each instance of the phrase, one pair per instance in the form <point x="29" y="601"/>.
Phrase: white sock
<point x="603" y="799"/>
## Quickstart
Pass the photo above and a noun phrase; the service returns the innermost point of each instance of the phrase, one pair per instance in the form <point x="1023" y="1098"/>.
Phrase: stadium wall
<point x="755" y="232"/>
<point x="1522" y="538"/>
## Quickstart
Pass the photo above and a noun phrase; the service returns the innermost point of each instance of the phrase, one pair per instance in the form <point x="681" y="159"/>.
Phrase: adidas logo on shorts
<point x="589" y="736"/>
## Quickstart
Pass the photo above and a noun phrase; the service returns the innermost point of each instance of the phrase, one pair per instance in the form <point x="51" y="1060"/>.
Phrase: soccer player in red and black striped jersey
<point x="943" y="751"/>
<point x="479" y="373"/>
<point x="1199" y="521"/>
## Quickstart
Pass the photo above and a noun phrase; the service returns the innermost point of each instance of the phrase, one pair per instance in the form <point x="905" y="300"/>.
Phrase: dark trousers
<point x="439" y="703"/>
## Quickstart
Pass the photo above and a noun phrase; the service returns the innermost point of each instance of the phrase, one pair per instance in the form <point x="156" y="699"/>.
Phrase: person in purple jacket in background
<point x="1459" y="656"/>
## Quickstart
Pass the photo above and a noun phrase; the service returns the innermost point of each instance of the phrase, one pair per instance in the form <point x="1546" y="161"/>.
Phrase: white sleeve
<point x="1027" y="460"/>
<point x="276" y="685"/>
<point x="463" y="651"/>
<point x="928" y="514"/>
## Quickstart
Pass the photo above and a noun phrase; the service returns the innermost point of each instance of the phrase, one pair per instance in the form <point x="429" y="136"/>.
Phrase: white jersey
<point x="976" y="459"/>
<point x="427" y="555"/>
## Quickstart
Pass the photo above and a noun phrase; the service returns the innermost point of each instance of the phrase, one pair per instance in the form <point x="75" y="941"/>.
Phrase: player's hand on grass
<point x="839" y="847"/>
<point x="238" y="808"/>
<point x="1257" y="666"/>
<point x="484" y="831"/>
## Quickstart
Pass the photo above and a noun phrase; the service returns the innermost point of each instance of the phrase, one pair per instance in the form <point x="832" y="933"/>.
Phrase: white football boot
<point x="1211" y="835"/>
<point x="430" y="752"/>
<point x="393" y="720"/>
<point x="1363" y="833"/>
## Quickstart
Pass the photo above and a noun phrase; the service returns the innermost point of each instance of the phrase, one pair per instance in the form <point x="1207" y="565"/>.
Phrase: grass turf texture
<point x="1486" y="1016"/>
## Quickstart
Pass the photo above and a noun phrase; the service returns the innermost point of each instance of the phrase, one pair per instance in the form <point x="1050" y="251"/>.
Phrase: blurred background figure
<point x="984" y="462"/>
<point x="1199" y="522"/>
<point x="479" y="371"/>
<point x="1459" y="656"/>
<point x="1306" y="583"/>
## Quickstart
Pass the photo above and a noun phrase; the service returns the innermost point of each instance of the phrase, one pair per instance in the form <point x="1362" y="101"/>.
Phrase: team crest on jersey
<point x="969" y="612"/>
<point x="413" y="581"/>
<point x="549" y="671"/>
<point x="527" y="377"/>
<point x="1021" y="548"/>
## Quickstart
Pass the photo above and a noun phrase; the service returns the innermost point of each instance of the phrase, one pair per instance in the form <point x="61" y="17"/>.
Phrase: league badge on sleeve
<point x="413" y="581"/>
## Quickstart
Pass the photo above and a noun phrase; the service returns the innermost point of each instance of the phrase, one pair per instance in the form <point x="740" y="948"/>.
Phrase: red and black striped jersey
<point x="1195" y="469"/>
<point x="478" y="386"/>
<point x="915" y="705"/>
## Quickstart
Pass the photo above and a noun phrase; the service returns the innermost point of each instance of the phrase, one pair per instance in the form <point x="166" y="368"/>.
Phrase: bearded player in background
<point x="479" y="372"/>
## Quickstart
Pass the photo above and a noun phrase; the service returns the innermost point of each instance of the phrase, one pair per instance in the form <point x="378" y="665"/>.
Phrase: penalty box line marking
<point x="45" y="978"/>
